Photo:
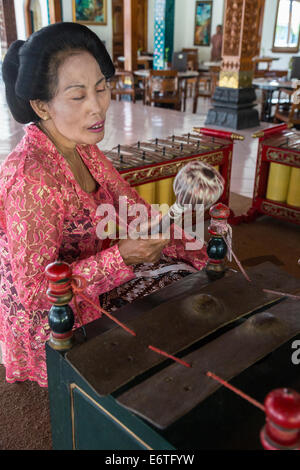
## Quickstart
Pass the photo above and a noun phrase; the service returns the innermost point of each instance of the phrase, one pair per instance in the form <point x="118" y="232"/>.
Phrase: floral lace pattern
<point x="46" y="216"/>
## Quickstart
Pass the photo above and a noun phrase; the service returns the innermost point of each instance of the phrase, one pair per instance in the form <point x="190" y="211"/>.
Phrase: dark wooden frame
<point x="196" y="5"/>
<point x="8" y="31"/>
<point x="55" y="11"/>
<point x="283" y="49"/>
<point x="96" y="23"/>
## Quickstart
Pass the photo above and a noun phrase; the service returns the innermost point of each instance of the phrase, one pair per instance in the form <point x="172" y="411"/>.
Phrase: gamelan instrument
<point x="277" y="177"/>
<point x="205" y="363"/>
<point x="209" y="362"/>
<point x="152" y="166"/>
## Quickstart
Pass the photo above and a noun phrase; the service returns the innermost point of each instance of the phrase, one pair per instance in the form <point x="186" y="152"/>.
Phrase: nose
<point x="98" y="102"/>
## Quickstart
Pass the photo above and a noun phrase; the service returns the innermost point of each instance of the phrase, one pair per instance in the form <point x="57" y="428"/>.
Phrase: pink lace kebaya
<point x="46" y="216"/>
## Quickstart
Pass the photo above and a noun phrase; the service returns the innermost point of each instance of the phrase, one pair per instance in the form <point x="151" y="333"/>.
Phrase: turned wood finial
<point x="60" y="317"/>
<point x="282" y="428"/>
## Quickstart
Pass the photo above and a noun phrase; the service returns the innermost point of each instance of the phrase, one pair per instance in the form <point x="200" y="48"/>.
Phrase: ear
<point x="41" y="109"/>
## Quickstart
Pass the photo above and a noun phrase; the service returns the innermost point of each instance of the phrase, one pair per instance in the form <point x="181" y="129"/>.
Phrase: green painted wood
<point x="82" y="419"/>
<point x="164" y="13"/>
<point x="96" y="423"/>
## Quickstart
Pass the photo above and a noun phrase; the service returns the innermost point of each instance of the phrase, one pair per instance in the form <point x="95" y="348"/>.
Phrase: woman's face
<point x="77" y="111"/>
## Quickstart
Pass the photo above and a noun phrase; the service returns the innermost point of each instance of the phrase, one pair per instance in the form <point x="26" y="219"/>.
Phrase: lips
<point x="97" y="126"/>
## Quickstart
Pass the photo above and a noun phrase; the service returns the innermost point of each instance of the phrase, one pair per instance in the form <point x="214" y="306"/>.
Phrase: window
<point x="287" y="26"/>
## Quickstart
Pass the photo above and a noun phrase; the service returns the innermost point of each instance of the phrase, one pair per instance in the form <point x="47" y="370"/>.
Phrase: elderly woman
<point x="51" y="186"/>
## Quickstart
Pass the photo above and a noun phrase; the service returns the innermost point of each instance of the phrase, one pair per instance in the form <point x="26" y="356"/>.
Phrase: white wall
<point x="44" y="11"/>
<point x="103" y="32"/>
<point x="184" y="25"/>
<point x="267" y="38"/>
<point x="20" y="18"/>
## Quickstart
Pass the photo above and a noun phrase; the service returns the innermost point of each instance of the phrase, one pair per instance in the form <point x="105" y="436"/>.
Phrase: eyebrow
<point x="83" y="86"/>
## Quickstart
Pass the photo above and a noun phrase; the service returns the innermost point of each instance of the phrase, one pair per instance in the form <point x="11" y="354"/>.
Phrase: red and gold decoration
<point x="152" y="166"/>
<point x="276" y="188"/>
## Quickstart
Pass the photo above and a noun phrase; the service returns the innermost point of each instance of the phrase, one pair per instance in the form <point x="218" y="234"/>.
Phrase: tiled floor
<point x="127" y="123"/>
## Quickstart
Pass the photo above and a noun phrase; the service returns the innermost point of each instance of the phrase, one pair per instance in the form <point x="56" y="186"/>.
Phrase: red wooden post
<point x="282" y="429"/>
<point x="61" y="317"/>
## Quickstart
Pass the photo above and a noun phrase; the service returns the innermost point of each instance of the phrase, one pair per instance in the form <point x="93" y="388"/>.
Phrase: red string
<point x="291" y="296"/>
<point x="163" y="353"/>
<point x="78" y="290"/>
<point x="235" y="390"/>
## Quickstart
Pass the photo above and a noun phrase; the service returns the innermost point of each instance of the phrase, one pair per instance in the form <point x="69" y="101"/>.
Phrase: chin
<point x="93" y="139"/>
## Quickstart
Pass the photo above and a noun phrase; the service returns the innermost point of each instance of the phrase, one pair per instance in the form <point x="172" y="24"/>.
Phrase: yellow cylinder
<point x="278" y="182"/>
<point x="147" y="192"/>
<point x="164" y="191"/>
<point x="293" y="196"/>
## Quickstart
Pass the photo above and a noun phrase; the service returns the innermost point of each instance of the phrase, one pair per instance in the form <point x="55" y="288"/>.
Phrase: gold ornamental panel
<point x="279" y="211"/>
<point x="235" y="79"/>
<point x="166" y="170"/>
<point x="284" y="156"/>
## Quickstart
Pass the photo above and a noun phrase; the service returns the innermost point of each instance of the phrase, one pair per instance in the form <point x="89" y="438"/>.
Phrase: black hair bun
<point x="19" y="108"/>
<point x="26" y="65"/>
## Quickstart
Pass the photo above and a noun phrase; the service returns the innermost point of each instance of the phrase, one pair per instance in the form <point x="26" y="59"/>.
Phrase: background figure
<point x="216" y="40"/>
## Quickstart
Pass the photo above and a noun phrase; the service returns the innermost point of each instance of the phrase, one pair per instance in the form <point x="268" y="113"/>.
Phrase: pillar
<point x="233" y="100"/>
<point x="55" y="12"/>
<point x="130" y="35"/>
<point x="8" y="30"/>
<point x="163" y="33"/>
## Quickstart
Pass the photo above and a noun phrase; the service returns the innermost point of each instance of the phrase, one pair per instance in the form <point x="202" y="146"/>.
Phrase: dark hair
<point x="30" y="67"/>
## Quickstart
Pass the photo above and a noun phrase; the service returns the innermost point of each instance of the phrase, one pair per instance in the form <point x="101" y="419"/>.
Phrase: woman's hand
<point x="141" y="251"/>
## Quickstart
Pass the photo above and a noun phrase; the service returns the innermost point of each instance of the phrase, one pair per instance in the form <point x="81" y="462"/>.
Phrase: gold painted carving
<point x="233" y="27"/>
<point x="240" y="79"/>
<point x="284" y="156"/>
<point x="166" y="170"/>
<point x="279" y="211"/>
<point x="242" y="18"/>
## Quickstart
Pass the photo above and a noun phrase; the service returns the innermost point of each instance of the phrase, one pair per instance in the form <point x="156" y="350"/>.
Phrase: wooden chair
<point x="119" y="64"/>
<point x="206" y="85"/>
<point x="121" y="84"/>
<point x="192" y="57"/>
<point x="202" y="88"/>
<point x="143" y="63"/>
<point x="214" y="76"/>
<point x="163" y="88"/>
<point x="288" y="106"/>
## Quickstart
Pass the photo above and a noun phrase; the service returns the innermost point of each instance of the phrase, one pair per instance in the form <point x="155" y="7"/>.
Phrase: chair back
<point x="288" y="106"/>
<point x="122" y="83"/>
<point x="163" y="81"/>
<point x="163" y="87"/>
<point x="295" y="73"/>
<point x="180" y="61"/>
<point x="192" y="58"/>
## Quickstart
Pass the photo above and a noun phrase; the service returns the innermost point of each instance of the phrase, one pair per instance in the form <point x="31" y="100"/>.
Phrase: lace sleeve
<point x="118" y="186"/>
<point x="177" y="247"/>
<point x="34" y="213"/>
